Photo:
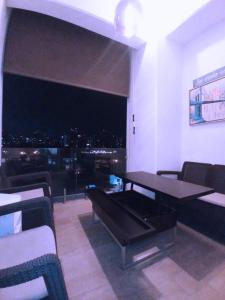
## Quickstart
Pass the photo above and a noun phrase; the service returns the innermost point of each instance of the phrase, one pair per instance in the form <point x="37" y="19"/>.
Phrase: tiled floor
<point x="194" y="269"/>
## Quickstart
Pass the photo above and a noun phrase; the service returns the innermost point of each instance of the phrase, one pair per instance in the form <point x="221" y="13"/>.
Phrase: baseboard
<point x="68" y="197"/>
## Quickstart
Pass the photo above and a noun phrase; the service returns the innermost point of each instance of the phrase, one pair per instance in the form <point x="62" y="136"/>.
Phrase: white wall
<point x="205" y="142"/>
<point x="162" y="77"/>
<point x="159" y="95"/>
<point x="155" y="100"/>
<point x="4" y="15"/>
<point x="141" y="145"/>
<point x="168" y="103"/>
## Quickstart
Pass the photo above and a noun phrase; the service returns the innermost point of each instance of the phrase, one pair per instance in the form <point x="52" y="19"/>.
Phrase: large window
<point x="77" y="134"/>
<point x="47" y="114"/>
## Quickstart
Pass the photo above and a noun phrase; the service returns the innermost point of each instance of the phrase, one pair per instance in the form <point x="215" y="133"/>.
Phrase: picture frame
<point x="207" y="102"/>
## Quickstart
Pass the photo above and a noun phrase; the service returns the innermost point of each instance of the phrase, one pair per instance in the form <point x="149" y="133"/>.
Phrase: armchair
<point x="29" y="185"/>
<point x="30" y="178"/>
<point x="193" y="172"/>
<point x="29" y="266"/>
<point x="34" y="216"/>
<point x="9" y="180"/>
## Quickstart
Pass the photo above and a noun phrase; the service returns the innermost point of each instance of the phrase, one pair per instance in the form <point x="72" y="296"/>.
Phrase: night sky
<point x="31" y="105"/>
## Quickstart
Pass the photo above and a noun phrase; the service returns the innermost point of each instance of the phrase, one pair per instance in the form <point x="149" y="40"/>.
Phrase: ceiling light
<point x="127" y="17"/>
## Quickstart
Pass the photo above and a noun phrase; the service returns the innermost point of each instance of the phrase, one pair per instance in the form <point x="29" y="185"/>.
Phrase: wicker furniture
<point x="9" y="179"/>
<point x="205" y="214"/>
<point x="193" y="172"/>
<point x="31" y="185"/>
<point x="34" y="217"/>
<point x="29" y="266"/>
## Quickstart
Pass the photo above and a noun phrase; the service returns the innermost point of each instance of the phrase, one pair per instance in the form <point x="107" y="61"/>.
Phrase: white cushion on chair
<point x="20" y="248"/>
<point x="214" y="198"/>
<point x="30" y="194"/>
<point x="11" y="223"/>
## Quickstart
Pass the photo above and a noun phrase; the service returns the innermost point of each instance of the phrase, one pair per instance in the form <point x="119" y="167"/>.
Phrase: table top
<point x="172" y="187"/>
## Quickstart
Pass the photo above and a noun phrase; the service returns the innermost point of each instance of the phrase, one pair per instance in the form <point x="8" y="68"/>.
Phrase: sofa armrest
<point x="47" y="266"/>
<point x="165" y="172"/>
<point x="29" y="178"/>
<point x="42" y="203"/>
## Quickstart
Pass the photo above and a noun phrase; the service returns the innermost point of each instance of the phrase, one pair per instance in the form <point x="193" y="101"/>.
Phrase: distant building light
<point x="22" y="153"/>
<point x="100" y="152"/>
<point x="36" y="152"/>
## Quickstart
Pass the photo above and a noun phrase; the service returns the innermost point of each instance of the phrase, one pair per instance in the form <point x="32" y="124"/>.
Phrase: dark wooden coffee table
<point x="177" y="189"/>
<point x="131" y="217"/>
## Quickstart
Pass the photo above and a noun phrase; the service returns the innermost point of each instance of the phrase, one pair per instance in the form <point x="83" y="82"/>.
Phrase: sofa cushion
<point x="195" y="172"/>
<point x="216" y="178"/>
<point x="11" y="223"/>
<point x="214" y="198"/>
<point x="20" y="248"/>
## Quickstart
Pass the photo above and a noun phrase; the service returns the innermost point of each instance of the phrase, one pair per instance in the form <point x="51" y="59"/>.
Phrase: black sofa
<point x="205" y="214"/>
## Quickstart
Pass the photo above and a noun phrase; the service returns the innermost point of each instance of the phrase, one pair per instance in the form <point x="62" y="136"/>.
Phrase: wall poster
<point x="207" y="102"/>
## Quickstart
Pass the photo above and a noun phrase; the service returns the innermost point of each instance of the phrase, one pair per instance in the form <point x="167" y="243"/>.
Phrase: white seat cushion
<point x="11" y="223"/>
<point x="214" y="198"/>
<point x="20" y="248"/>
<point x="30" y="194"/>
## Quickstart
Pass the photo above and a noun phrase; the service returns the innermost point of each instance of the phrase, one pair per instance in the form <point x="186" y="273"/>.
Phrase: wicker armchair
<point x="29" y="266"/>
<point x="34" y="217"/>
<point x="30" y="178"/>
<point x="7" y="179"/>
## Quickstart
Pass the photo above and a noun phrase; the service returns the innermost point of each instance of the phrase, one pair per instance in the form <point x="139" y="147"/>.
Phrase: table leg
<point x="124" y="185"/>
<point x="95" y="218"/>
<point x="123" y="255"/>
<point x="175" y="233"/>
<point x="64" y="195"/>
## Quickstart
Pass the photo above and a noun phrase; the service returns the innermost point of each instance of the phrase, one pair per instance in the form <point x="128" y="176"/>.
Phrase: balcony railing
<point x="72" y="169"/>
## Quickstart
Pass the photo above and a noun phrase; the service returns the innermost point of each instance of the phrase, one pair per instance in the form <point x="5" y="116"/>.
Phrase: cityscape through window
<point x="38" y="113"/>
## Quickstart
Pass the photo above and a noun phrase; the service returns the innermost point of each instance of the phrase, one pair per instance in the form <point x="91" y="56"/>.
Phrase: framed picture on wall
<point x="207" y="103"/>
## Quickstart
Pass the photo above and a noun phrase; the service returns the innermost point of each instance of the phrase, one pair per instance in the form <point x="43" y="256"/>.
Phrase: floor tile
<point x="91" y="260"/>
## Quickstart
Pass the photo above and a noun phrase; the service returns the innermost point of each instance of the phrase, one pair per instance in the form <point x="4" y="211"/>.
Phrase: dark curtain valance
<point x="43" y="47"/>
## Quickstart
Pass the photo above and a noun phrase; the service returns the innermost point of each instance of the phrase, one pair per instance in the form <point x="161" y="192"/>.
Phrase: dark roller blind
<point x="47" y="48"/>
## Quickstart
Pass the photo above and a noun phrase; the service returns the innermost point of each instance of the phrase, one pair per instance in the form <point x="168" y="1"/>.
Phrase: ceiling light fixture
<point x="127" y="17"/>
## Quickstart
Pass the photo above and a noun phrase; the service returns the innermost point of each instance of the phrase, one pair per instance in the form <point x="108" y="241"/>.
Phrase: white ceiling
<point x="182" y="20"/>
<point x="209" y="15"/>
<point x="94" y="15"/>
